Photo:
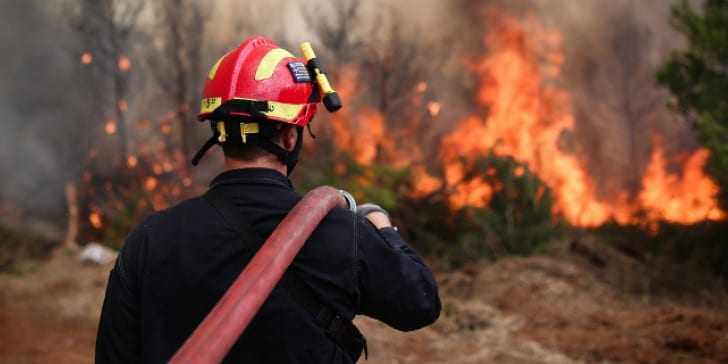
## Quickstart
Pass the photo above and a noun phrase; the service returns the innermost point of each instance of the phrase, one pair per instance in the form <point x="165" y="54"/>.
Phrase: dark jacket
<point x="175" y="266"/>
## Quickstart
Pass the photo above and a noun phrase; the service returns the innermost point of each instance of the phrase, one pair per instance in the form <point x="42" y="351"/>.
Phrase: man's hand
<point x="374" y="213"/>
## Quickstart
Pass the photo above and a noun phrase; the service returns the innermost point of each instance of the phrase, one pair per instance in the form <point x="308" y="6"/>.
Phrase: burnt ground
<point x="562" y="307"/>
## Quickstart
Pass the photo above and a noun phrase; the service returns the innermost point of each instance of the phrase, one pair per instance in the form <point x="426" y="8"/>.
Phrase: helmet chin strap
<point x="262" y="140"/>
<point x="289" y="158"/>
<point x="205" y="147"/>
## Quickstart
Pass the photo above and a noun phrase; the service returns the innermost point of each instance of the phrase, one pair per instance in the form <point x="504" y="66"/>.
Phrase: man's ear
<point x="289" y="135"/>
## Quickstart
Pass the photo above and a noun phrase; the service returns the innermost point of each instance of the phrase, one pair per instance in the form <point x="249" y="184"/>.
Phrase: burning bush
<point x="513" y="216"/>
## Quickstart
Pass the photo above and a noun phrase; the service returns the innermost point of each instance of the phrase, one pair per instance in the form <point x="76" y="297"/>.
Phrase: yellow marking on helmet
<point x="213" y="70"/>
<point x="248" y="128"/>
<point x="222" y="138"/>
<point x="210" y="104"/>
<point x="282" y="110"/>
<point x="269" y="62"/>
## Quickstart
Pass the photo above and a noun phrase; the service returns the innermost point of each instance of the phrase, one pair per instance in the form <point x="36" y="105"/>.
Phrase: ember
<point x="124" y="63"/>
<point x="150" y="183"/>
<point x="110" y="127"/>
<point x="131" y="161"/>
<point x="433" y="107"/>
<point x="87" y="58"/>
<point x="94" y="218"/>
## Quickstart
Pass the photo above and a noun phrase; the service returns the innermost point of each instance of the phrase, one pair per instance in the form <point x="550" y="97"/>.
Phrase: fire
<point x="87" y="58"/>
<point x="362" y="133"/>
<point x="475" y="193"/>
<point x="110" y="127"/>
<point x="150" y="183"/>
<point x="687" y="198"/>
<point x="433" y="107"/>
<point x="123" y="106"/>
<point x="527" y="118"/>
<point x="124" y="63"/>
<point x="131" y="161"/>
<point x="94" y="218"/>
<point x="424" y="182"/>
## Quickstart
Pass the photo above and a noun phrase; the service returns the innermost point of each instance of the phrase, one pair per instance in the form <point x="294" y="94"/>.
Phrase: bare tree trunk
<point x="71" y="240"/>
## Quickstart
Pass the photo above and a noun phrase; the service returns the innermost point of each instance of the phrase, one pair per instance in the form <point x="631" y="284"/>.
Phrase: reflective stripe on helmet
<point x="213" y="70"/>
<point x="283" y="111"/>
<point x="277" y="110"/>
<point x="268" y="64"/>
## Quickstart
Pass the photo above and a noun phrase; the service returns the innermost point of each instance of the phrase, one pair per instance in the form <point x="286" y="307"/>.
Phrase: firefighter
<point x="178" y="262"/>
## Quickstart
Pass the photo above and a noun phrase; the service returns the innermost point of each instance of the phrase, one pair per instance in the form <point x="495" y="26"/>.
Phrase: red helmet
<point x="260" y="79"/>
<point x="259" y="83"/>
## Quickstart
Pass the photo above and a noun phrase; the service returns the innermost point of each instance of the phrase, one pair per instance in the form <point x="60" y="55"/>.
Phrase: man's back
<point x="179" y="262"/>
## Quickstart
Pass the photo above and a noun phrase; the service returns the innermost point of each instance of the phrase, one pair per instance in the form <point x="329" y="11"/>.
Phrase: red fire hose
<point x="222" y="327"/>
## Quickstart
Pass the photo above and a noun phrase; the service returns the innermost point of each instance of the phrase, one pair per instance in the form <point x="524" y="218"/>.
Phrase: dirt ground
<point x="543" y="309"/>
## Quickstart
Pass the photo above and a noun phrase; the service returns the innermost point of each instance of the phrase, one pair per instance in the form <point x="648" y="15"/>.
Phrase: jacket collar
<point x="251" y="176"/>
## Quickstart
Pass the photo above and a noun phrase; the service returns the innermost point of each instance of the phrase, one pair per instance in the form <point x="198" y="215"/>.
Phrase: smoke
<point x="612" y="53"/>
<point x="37" y="94"/>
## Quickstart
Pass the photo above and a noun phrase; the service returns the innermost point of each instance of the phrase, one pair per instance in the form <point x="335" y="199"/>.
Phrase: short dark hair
<point x="247" y="152"/>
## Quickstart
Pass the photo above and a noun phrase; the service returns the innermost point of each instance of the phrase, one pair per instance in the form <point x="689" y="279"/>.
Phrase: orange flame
<point x="124" y="63"/>
<point x="527" y="118"/>
<point x="475" y="192"/>
<point x="433" y="107"/>
<point x="361" y="134"/>
<point x="424" y="183"/>
<point x="87" y="58"/>
<point x="110" y="127"/>
<point x="150" y="183"/>
<point x="94" y="218"/>
<point x="132" y="161"/>
<point x="686" y="198"/>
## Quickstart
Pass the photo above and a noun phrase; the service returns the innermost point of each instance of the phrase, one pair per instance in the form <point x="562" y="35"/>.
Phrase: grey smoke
<point x="37" y="94"/>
